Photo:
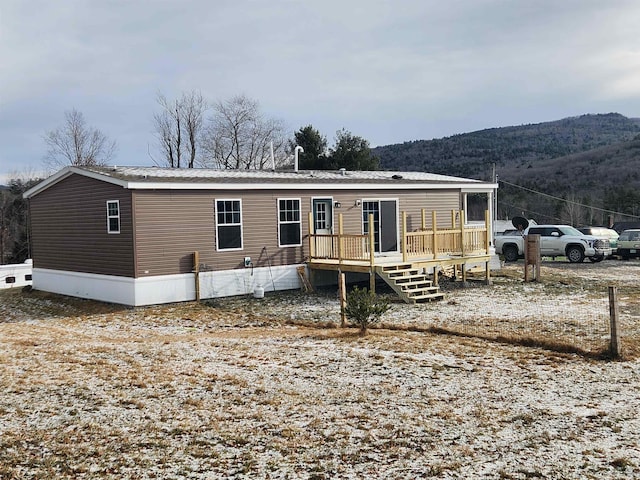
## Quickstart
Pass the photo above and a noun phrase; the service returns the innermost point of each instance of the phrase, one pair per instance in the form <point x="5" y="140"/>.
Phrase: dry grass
<point x="239" y="389"/>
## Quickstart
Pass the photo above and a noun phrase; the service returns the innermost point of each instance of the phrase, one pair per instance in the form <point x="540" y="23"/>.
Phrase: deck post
<point x="424" y="219"/>
<point x="462" y="232"/>
<point x="340" y="231"/>
<point x="342" y="292"/>
<point x="372" y="264"/>
<point x="312" y="249"/>
<point x="487" y="219"/>
<point x="403" y="237"/>
<point x="434" y="227"/>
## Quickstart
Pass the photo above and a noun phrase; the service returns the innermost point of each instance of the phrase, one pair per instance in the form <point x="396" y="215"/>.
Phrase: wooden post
<point x="532" y="257"/>
<point x="196" y="270"/>
<point x="487" y="220"/>
<point x="462" y="232"/>
<point x="453" y="219"/>
<point x="434" y="227"/>
<point x="615" y="348"/>
<point x="340" y="241"/>
<point x="342" y="292"/>
<point x="312" y="246"/>
<point x="372" y="252"/>
<point x="403" y="237"/>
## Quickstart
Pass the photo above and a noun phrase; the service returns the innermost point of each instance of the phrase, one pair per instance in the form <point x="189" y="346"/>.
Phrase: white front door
<point x="325" y="247"/>
<point x="323" y="216"/>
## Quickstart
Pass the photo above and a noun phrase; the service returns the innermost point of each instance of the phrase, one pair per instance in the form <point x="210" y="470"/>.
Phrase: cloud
<point x="388" y="71"/>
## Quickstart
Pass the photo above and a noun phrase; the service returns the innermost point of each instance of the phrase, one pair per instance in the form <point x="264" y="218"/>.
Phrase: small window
<point x="289" y="225"/>
<point x="229" y="224"/>
<point x="10" y="280"/>
<point x="113" y="216"/>
<point x="28" y="277"/>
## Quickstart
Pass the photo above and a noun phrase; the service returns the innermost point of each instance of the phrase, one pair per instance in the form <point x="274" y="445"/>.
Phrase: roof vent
<point x="343" y="171"/>
<point x="396" y="177"/>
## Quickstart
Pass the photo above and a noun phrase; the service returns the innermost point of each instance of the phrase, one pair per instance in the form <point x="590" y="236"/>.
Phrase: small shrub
<point x="365" y="308"/>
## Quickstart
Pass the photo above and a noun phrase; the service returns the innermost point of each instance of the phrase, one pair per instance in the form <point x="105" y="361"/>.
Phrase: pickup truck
<point x="555" y="241"/>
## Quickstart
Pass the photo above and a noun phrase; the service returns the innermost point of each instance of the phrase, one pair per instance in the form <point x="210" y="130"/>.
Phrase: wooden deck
<point x="430" y="250"/>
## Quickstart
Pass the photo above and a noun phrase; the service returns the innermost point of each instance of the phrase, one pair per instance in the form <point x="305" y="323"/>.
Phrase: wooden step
<point x="421" y="291"/>
<point x="431" y="297"/>
<point x="402" y="273"/>
<point x="410" y="283"/>
<point x="411" y="280"/>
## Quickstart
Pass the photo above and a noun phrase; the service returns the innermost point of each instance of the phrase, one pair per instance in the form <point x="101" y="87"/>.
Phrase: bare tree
<point x="77" y="144"/>
<point x="239" y="136"/>
<point x="179" y="127"/>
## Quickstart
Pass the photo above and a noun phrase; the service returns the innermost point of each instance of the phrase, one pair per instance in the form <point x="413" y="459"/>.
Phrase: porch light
<point x="358" y="203"/>
<point x="337" y="204"/>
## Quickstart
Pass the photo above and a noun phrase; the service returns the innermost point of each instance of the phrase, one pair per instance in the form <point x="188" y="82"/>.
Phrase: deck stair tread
<point x="410" y="283"/>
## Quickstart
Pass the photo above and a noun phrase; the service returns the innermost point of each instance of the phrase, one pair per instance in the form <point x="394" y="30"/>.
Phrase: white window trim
<point x="299" y="222"/>
<point x="215" y="216"/>
<point x="109" y="217"/>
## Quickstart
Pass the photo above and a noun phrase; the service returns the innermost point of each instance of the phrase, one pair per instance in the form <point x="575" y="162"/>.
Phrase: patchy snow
<point x="239" y="390"/>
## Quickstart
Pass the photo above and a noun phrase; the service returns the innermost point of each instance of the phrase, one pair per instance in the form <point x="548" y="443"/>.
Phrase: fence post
<point x="615" y="348"/>
<point x="196" y="270"/>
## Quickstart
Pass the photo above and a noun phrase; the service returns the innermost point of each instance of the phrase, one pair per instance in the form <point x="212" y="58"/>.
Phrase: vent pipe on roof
<point x="343" y="171"/>
<point x="273" y="159"/>
<point x="295" y="157"/>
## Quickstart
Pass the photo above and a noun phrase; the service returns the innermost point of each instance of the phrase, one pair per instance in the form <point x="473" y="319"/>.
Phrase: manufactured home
<point x="146" y="235"/>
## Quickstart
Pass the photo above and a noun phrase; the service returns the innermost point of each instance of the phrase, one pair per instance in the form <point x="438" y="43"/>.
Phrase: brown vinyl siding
<point x="172" y="224"/>
<point x="69" y="228"/>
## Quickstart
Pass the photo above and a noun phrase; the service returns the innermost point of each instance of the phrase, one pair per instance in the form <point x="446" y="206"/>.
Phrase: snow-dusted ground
<point x="247" y="388"/>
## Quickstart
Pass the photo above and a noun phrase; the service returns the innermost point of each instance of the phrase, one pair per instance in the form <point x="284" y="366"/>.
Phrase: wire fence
<point x="565" y="318"/>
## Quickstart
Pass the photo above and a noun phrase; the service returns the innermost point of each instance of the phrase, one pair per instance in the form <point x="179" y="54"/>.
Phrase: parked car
<point x="603" y="232"/>
<point x="629" y="244"/>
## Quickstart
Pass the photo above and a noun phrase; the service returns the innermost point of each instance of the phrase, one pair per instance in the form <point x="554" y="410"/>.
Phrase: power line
<point x="530" y="212"/>
<point x="569" y="201"/>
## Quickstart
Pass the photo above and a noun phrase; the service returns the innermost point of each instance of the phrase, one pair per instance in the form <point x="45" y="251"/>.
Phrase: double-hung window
<point x="289" y="225"/>
<point x="229" y="224"/>
<point x="113" y="216"/>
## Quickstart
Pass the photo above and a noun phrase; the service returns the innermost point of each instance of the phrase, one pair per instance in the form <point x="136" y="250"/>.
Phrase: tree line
<point x="190" y="132"/>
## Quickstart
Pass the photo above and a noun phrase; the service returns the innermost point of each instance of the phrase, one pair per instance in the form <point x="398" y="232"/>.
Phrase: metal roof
<point x="200" y="178"/>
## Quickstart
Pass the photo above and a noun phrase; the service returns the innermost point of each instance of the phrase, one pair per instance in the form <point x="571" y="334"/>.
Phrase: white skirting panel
<point x="164" y="288"/>
<point x="228" y="283"/>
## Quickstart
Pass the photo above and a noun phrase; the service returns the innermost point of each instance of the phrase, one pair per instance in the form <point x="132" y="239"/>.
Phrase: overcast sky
<point x="388" y="71"/>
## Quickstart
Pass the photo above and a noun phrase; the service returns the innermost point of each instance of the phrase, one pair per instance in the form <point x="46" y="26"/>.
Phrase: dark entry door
<point x="385" y="223"/>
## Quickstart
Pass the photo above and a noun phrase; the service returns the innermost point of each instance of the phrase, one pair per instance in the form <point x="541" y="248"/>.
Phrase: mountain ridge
<point x="594" y="159"/>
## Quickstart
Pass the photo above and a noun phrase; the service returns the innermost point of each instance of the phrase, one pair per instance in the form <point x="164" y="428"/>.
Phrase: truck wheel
<point x="575" y="254"/>
<point x="510" y="253"/>
<point x="596" y="258"/>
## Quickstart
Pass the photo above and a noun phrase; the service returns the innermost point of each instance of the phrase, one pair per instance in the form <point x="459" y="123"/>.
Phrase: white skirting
<point x="165" y="288"/>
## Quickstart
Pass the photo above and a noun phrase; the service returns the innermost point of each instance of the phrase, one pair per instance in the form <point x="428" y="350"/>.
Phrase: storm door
<point x="385" y="223"/>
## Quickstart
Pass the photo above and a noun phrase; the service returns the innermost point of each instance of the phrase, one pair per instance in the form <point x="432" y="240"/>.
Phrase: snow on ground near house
<point x="246" y="388"/>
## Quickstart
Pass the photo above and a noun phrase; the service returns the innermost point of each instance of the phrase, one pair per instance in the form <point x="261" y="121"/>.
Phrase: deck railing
<point x="458" y="240"/>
